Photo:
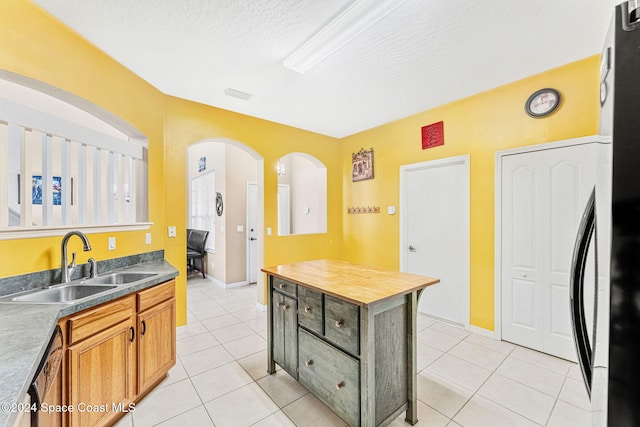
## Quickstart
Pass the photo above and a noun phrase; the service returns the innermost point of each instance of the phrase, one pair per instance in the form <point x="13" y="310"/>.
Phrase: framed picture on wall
<point x="36" y="190"/>
<point x="362" y="165"/>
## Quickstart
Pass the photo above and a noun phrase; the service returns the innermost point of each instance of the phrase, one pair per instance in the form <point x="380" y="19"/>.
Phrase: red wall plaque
<point x="432" y="135"/>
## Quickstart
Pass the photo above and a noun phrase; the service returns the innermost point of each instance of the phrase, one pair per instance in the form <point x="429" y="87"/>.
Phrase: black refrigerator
<point x="606" y="308"/>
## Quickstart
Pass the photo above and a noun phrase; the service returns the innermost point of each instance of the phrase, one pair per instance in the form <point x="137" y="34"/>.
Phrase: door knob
<point x="253" y="238"/>
<point x="412" y="249"/>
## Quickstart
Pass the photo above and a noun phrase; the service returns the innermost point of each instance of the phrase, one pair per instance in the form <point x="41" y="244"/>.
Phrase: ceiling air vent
<point x="238" y="94"/>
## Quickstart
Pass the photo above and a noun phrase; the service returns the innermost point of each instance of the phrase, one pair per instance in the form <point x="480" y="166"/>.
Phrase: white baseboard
<point x="482" y="331"/>
<point x="261" y="307"/>
<point x="227" y="285"/>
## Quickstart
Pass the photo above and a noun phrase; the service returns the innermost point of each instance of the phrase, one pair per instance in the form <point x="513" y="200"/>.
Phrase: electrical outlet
<point x="147" y="238"/>
<point x="172" y="231"/>
<point x="240" y="228"/>
<point x="112" y="243"/>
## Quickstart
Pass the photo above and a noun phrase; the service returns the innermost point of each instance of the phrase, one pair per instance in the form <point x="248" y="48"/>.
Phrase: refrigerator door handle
<point x="576" y="291"/>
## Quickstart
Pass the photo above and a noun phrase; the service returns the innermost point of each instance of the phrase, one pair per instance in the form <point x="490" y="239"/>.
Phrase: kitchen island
<point x="348" y="334"/>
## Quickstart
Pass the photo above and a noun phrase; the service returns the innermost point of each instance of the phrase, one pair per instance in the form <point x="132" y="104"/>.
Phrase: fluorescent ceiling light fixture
<point x="237" y="94"/>
<point x="355" y="19"/>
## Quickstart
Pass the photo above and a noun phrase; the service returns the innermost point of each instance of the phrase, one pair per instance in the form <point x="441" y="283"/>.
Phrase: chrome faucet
<point x="67" y="270"/>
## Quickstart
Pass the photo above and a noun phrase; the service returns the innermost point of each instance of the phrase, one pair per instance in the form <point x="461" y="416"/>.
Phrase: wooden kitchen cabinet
<point x="116" y="352"/>
<point x="156" y="334"/>
<point x="102" y="362"/>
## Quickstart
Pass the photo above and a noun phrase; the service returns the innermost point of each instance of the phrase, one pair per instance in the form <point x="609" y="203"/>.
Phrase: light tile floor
<point x="464" y="379"/>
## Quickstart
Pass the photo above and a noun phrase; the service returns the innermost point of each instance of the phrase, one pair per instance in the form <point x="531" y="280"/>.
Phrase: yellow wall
<point x="479" y="125"/>
<point x="189" y="122"/>
<point x="35" y="45"/>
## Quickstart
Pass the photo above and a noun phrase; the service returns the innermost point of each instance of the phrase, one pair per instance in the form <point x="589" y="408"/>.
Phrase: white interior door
<point x="543" y="198"/>
<point x="435" y="234"/>
<point x="252" y="223"/>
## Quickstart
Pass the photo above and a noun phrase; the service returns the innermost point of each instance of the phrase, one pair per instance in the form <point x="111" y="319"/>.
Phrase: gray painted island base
<point x="359" y="359"/>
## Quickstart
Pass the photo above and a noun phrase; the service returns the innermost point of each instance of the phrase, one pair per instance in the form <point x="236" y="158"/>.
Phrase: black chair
<point x="196" y="240"/>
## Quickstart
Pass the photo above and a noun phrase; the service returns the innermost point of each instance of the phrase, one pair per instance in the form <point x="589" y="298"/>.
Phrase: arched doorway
<point x="235" y="251"/>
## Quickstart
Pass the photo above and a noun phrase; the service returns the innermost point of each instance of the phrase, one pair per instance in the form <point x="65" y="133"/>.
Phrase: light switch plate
<point x="112" y="243"/>
<point x="147" y="238"/>
<point x="391" y="210"/>
<point x="172" y="231"/>
<point x="269" y="231"/>
<point x="240" y="229"/>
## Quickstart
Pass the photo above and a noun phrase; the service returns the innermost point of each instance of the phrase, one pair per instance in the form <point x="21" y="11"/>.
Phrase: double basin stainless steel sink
<point x="69" y="292"/>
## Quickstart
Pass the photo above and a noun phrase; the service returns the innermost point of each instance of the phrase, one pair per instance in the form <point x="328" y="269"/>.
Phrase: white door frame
<point x="248" y="231"/>
<point x="404" y="171"/>
<point x="497" y="269"/>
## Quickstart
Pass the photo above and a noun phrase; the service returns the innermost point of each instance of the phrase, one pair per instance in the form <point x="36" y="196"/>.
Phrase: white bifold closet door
<point x="543" y="198"/>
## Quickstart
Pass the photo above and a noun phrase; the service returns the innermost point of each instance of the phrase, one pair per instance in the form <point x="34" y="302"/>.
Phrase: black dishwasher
<point x="46" y="387"/>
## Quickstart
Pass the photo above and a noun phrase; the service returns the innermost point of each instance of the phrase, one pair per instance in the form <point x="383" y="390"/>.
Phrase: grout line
<point x="506" y="356"/>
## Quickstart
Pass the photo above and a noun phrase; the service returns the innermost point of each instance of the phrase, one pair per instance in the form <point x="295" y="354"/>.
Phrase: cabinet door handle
<point x="339" y="323"/>
<point x="144" y="327"/>
<point x="284" y="306"/>
<point x="340" y="385"/>
<point x="133" y="334"/>
<point x="308" y="363"/>
<point x="307" y="309"/>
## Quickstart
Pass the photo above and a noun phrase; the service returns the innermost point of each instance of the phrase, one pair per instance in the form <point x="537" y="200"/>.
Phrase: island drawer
<point x="342" y="324"/>
<point x="284" y="286"/>
<point x="331" y="375"/>
<point x="310" y="309"/>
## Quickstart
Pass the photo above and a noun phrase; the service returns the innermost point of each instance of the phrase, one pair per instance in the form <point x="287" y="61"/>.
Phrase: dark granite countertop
<point x="25" y="330"/>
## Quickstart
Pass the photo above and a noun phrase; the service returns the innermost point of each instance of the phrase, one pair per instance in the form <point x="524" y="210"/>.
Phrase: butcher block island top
<point x="357" y="284"/>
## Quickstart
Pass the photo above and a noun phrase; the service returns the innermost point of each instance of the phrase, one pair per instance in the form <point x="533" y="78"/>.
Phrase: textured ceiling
<point x="423" y="54"/>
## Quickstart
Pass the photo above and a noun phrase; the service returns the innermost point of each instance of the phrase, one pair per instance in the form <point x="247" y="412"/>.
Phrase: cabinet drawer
<point x="331" y="375"/>
<point x="92" y="321"/>
<point x="341" y="324"/>
<point x="284" y="286"/>
<point x="155" y="295"/>
<point x="310" y="309"/>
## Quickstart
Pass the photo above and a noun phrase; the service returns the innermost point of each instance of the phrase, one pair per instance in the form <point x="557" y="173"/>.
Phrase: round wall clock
<point x="542" y="102"/>
<point x="219" y="204"/>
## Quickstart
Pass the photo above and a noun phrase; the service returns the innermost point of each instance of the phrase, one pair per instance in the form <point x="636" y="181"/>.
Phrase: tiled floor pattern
<point x="464" y="379"/>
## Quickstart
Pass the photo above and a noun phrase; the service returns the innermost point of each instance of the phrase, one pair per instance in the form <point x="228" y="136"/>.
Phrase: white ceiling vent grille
<point x="238" y="94"/>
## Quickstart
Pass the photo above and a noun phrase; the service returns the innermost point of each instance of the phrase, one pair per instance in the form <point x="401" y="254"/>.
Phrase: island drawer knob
<point x="308" y="363"/>
<point x="339" y="385"/>
<point x="281" y="286"/>
<point x="339" y="323"/>
<point x="307" y="309"/>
